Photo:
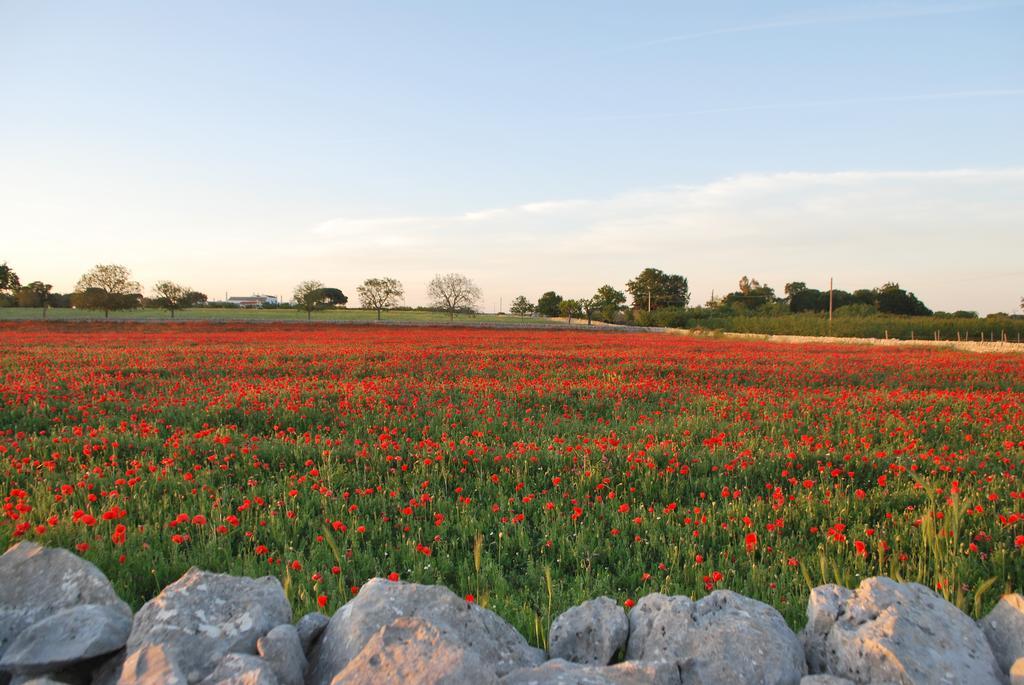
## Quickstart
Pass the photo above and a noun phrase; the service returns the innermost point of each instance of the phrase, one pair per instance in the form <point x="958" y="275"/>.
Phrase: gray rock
<point x="562" y="672"/>
<point x="411" y="651"/>
<point x="379" y="602"/>
<point x="310" y="628"/>
<point x="824" y="679"/>
<point x="723" y="638"/>
<point x="1017" y="672"/>
<point x="202" y="616"/>
<point x="150" y="665"/>
<point x="590" y="633"/>
<point x="241" y="669"/>
<point x="36" y="582"/>
<point x="66" y="638"/>
<point x="282" y="649"/>
<point x="824" y="606"/>
<point x="1004" y="628"/>
<point x="905" y="633"/>
<point x="49" y="679"/>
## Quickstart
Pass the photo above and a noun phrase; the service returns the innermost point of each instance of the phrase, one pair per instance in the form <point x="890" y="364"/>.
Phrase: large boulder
<point x="825" y="604"/>
<point x="202" y="616"/>
<point x="241" y="669"/>
<point x="1004" y="629"/>
<point x="411" y="651"/>
<point x="37" y="582"/>
<point x="562" y="672"/>
<point x="282" y="649"/>
<point x="724" y="637"/>
<point x="380" y="602"/>
<point x="902" y="633"/>
<point x="590" y="633"/>
<point x="66" y="638"/>
<point x="147" y="665"/>
<point x="309" y="628"/>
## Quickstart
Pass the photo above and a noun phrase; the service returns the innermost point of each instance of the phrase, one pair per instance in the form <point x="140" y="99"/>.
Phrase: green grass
<point x="225" y="314"/>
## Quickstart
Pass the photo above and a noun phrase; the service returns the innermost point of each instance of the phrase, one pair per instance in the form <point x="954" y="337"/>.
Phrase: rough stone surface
<point x="1017" y="672"/>
<point x="282" y="649"/>
<point x="1004" y="629"/>
<point x="148" y="665"/>
<point x="824" y="606"/>
<point x="824" y="679"/>
<point x="379" y="602"/>
<point x="905" y="633"/>
<point x="590" y="633"/>
<point x="202" y="616"/>
<point x="562" y="672"/>
<point x="411" y="651"/>
<point x="241" y="669"/>
<point x="310" y="627"/>
<point x="65" y="638"/>
<point x="724" y="637"/>
<point x="36" y="582"/>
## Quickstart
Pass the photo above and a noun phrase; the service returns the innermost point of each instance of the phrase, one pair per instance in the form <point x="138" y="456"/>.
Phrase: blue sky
<point x="245" y="146"/>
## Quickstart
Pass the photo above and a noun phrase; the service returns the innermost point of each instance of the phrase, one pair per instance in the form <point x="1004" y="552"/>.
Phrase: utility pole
<point x="648" y="299"/>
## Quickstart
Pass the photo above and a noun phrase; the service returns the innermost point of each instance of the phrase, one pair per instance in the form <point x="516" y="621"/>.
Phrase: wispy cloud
<point x="863" y="227"/>
<point x="810" y="104"/>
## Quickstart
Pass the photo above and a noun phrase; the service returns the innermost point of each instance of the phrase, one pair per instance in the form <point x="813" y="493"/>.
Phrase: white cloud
<point x="921" y="228"/>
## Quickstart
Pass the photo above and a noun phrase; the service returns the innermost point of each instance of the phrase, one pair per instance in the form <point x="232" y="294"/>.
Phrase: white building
<point x="253" y="301"/>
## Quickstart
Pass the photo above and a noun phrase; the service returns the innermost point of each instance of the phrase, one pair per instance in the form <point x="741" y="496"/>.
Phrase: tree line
<point x="652" y="297"/>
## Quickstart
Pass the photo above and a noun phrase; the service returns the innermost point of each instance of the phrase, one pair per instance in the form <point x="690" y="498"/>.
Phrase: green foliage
<point x="549" y="304"/>
<point x="608" y="302"/>
<point x="8" y="279"/>
<point x="521" y="306"/>
<point x="653" y="289"/>
<point x="380" y="294"/>
<point x="108" y="287"/>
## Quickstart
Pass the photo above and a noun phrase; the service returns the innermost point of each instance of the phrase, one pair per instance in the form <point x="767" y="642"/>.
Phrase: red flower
<point x="393" y="577"/>
<point x="321" y="601"/>
<point x="629" y="604"/>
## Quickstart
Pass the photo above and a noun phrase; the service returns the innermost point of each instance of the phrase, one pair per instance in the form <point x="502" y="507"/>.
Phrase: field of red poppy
<point x="528" y="469"/>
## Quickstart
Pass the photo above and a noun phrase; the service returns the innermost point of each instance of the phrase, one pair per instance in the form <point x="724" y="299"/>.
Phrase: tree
<point x="607" y="301"/>
<point x="380" y="293"/>
<point x="453" y="293"/>
<point x="521" y="306"/>
<point x="892" y="299"/>
<point x="588" y="306"/>
<point x="549" y="304"/>
<point x="751" y="294"/>
<point x="173" y="296"/>
<point x="35" y="294"/>
<point x="569" y="309"/>
<point x="8" y="279"/>
<point x="653" y="288"/>
<point x="793" y="288"/>
<point x="312" y="295"/>
<point x="107" y="287"/>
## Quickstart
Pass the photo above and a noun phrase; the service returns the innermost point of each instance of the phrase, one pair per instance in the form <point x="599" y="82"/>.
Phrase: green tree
<point x="313" y="295"/>
<point x="569" y="309"/>
<point x="892" y="299"/>
<point x="108" y="287"/>
<point x="453" y="293"/>
<point x="35" y="294"/>
<point x="751" y="294"/>
<point x="380" y="294"/>
<point x="521" y="306"/>
<point x="608" y="301"/>
<point x="8" y="279"/>
<point x="653" y="288"/>
<point x="549" y="304"/>
<point x="173" y="296"/>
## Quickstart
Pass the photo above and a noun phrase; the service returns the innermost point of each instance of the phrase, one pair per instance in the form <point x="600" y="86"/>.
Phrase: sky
<point x="243" y="147"/>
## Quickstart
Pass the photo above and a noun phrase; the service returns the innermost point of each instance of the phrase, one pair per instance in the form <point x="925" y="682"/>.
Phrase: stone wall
<point x="61" y="622"/>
